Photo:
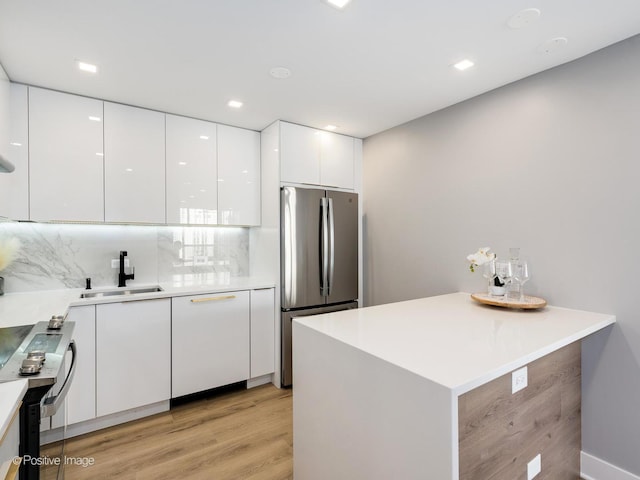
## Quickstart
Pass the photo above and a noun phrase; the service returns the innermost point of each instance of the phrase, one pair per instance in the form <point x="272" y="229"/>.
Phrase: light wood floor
<point x="245" y="434"/>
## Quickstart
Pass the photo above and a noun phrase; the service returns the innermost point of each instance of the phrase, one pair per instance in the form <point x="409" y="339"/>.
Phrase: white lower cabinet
<point x="133" y="359"/>
<point x="262" y="332"/>
<point x="138" y="353"/>
<point x="81" y="397"/>
<point x="210" y="341"/>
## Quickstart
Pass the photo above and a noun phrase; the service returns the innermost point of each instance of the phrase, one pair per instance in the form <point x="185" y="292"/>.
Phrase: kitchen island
<point x="423" y="390"/>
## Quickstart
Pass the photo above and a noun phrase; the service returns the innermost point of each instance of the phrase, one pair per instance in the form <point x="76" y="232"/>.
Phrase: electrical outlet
<point x="519" y="380"/>
<point x="534" y="467"/>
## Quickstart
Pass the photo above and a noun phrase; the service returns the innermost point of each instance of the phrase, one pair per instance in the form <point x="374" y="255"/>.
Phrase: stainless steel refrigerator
<point x="319" y="257"/>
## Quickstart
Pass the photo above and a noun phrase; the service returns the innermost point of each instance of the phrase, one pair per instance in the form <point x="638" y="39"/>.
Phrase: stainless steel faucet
<point x="122" y="276"/>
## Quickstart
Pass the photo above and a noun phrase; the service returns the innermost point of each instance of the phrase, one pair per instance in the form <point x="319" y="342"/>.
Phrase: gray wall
<point x="550" y="164"/>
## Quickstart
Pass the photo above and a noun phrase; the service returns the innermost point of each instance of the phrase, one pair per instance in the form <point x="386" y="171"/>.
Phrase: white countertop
<point x="27" y="308"/>
<point x="453" y="340"/>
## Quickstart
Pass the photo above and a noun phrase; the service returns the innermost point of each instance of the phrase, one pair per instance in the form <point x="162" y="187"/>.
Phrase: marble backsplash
<point x="54" y="256"/>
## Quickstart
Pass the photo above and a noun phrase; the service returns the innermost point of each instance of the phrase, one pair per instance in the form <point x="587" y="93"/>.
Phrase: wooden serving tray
<point x="529" y="303"/>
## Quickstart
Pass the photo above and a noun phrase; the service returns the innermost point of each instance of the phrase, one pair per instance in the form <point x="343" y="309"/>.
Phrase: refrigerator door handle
<point x="332" y="256"/>
<point x="324" y="246"/>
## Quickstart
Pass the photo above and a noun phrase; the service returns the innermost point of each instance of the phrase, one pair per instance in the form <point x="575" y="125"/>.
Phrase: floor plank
<point x="245" y="434"/>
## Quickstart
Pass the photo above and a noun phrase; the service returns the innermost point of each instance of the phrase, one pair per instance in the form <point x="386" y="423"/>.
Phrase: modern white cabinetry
<point x="65" y="157"/>
<point x="81" y="397"/>
<point x="14" y="187"/>
<point x="238" y="176"/>
<point x="133" y="354"/>
<point x="82" y="159"/>
<point x="210" y="341"/>
<point x="192" y="186"/>
<point x="134" y="164"/>
<point x="262" y="332"/>
<point x="316" y="157"/>
<point x="299" y="154"/>
<point x="336" y="160"/>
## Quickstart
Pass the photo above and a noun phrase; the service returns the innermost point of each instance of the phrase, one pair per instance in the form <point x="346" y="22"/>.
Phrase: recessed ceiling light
<point x="234" y="103"/>
<point x="553" y="45"/>
<point x="338" y="3"/>
<point x="94" y="119"/>
<point x="204" y="137"/>
<point x="463" y="64"/>
<point x="330" y="127"/>
<point x="100" y="154"/>
<point x="87" y="67"/>
<point x="16" y="144"/>
<point x="280" y="72"/>
<point x="129" y="169"/>
<point x="182" y="163"/>
<point x="524" y="18"/>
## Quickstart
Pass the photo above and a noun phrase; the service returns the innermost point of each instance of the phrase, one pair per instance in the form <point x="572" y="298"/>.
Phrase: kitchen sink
<point x="120" y="291"/>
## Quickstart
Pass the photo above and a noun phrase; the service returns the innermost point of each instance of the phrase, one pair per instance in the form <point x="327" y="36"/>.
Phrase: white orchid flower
<point x="481" y="257"/>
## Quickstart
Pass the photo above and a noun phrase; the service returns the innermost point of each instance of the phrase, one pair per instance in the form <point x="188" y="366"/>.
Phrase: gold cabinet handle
<point x="212" y="299"/>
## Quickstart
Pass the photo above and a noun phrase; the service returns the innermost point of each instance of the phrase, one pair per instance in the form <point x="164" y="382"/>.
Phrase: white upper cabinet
<point x="299" y="154"/>
<point x="238" y="176"/>
<point x="14" y="187"/>
<point x="66" y="157"/>
<point x="336" y="160"/>
<point x="192" y="180"/>
<point x="134" y="164"/>
<point x="316" y="157"/>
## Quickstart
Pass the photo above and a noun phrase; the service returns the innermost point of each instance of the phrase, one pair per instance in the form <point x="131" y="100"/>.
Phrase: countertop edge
<point x="531" y="357"/>
<point x="28" y="308"/>
<point x="170" y="292"/>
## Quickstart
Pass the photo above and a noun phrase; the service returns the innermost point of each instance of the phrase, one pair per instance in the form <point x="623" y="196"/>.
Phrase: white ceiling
<point x="371" y="66"/>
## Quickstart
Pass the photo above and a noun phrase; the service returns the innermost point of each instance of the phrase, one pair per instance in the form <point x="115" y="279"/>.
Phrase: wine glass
<point x="504" y="272"/>
<point x="522" y="276"/>
<point x="489" y="272"/>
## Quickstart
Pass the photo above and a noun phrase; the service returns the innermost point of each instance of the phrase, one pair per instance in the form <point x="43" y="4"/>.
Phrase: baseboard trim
<point x="594" y="468"/>
<point x="256" y="382"/>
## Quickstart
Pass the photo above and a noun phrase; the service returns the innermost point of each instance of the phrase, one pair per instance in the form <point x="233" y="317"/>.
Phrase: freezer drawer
<point x="286" y="335"/>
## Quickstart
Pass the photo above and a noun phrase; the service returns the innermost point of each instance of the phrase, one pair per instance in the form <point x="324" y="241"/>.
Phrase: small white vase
<point x="497" y="291"/>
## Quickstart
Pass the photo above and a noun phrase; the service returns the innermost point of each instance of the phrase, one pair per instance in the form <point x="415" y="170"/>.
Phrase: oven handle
<point x="51" y="404"/>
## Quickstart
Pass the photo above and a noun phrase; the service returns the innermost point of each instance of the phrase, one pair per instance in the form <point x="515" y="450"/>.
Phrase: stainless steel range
<point x="37" y="353"/>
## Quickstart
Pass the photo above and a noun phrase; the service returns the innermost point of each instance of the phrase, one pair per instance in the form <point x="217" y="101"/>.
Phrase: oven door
<point x="39" y="409"/>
